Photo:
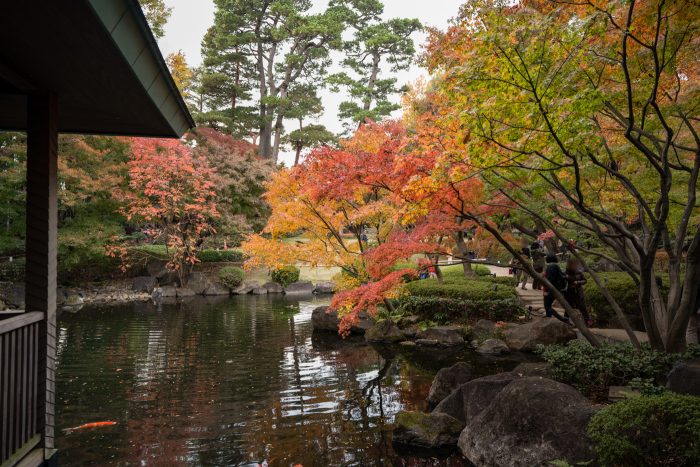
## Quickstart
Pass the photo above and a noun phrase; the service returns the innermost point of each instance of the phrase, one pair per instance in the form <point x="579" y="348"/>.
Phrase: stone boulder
<point x="13" y="295"/>
<point x="544" y="331"/>
<point x="273" y="287"/>
<point x="441" y="335"/>
<point x="144" y="284"/>
<point x="426" y="430"/>
<point x="259" y="291"/>
<point x="469" y="399"/>
<point x="483" y="327"/>
<point x="492" y="347"/>
<point x="531" y="422"/>
<point x="325" y="288"/>
<point x="245" y="288"/>
<point x="323" y="319"/>
<point x="168" y="291"/>
<point x="532" y="369"/>
<point x="447" y="380"/>
<point x="184" y="292"/>
<point x="217" y="289"/>
<point x="73" y="299"/>
<point x="384" y="331"/>
<point x="198" y="282"/>
<point x="167" y="277"/>
<point x="684" y="378"/>
<point x="300" y="288"/>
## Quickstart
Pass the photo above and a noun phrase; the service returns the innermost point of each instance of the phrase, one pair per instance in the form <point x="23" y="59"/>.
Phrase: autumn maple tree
<point x="171" y="196"/>
<point x="583" y="116"/>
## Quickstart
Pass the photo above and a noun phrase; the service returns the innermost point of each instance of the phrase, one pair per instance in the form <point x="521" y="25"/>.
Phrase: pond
<point x="235" y="381"/>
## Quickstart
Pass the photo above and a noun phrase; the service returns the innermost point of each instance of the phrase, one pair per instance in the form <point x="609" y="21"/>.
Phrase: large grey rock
<point x="325" y="288"/>
<point x="273" y="287"/>
<point x="447" y="380"/>
<point x="74" y="299"/>
<point x="199" y="283"/>
<point x="426" y="430"/>
<point x="13" y="295"/>
<point x="216" y="289"/>
<point x="259" y="291"/>
<point x="531" y="422"/>
<point x="144" y="284"/>
<point x="323" y="319"/>
<point x="543" y="331"/>
<point x="384" y="331"/>
<point x="300" y="288"/>
<point x="492" y="347"/>
<point x="245" y="288"/>
<point x="444" y="335"/>
<point x="532" y="369"/>
<point x="168" y="291"/>
<point x="684" y="378"/>
<point x="184" y="292"/>
<point x="483" y="327"/>
<point x="469" y="399"/>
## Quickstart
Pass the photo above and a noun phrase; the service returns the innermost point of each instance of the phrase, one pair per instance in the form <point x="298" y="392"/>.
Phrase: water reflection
<point x="234" y="382"/>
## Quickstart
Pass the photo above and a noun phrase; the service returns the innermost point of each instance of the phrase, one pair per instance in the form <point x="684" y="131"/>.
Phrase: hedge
<point x="592" y="370"/>
<point x="205" y="256"/>
<point x="444" y="309"/>
<point x="660" y="430"/>
<point x="231" y="276"/>
<point x="12" y="271"/>
<point x="624" y="291"/>
<point x="285" y="275"/>
<point x="461" y="298"/>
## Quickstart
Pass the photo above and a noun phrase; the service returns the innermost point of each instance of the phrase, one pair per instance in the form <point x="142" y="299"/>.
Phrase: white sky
<point x="191" y="18"/>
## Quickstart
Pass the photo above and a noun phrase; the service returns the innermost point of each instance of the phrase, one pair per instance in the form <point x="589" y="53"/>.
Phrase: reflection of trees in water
<point x="227" y="383"/>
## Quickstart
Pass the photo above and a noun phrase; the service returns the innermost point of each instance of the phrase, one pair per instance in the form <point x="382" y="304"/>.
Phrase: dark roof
<point x="101" y="60"/>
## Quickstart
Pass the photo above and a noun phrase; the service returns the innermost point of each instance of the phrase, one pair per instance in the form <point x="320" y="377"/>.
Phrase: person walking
<point x="556" y="277"/>
<point x="538" y="262"/>
<point x="574" y="290"/>
<point x="518" y="269"/>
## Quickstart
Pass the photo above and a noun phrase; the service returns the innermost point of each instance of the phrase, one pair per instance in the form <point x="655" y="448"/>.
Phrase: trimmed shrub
<point x="231" y="276"/>
<point x="481" y="270"/>
<point x="13" y="271"/>
<point x="221" y="256"/>
<point x="661" y="430"/>
<point x="446" y="309"/>
<point x="465" y="289"/>
<point x="285" y="275"/>
<point x="593" y="370"/>
<point x="624" y="291"/>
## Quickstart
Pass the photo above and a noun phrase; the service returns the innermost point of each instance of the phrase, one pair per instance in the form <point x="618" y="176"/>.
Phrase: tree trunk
<point x="298" y="153"/>
<point x="463" y="251"/>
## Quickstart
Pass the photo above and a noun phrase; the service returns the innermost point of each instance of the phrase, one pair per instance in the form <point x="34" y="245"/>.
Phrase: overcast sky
<point x="191" y="18"/>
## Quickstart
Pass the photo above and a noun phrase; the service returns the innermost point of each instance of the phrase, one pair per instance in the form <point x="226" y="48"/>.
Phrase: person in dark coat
<point x="574" y="290"/>
<point x="538" y="263"/>
<point x="556" y="277"/>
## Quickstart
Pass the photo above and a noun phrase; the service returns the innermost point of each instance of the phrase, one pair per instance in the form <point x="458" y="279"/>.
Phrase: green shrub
<point x="593" y="370"/>
<point x="285" y="275"/>
<point x="220" y="256"/>
<point x="465" y="289"/>
<point x="231" y="276"/>
<point x="481" y="270"/>
<point x="661" y="430"/>
<point x="624" y="291"/>
<point x="13" y="271"/>
<point x="445" y="309"/>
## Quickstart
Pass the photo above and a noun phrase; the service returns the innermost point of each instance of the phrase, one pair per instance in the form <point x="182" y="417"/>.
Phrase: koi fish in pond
<point x="89" y="425"/>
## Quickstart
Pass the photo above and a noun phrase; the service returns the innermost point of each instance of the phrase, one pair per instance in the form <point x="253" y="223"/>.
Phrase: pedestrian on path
<point x="691" y="335"/>
<point x="556" y="277"/>
<point x="574" y="290"/>
<point x="518" y="269"/>
<point x="538" y="256"/>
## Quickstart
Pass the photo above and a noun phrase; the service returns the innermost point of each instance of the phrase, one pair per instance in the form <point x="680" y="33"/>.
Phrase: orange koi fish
<point x="89" y="425"/>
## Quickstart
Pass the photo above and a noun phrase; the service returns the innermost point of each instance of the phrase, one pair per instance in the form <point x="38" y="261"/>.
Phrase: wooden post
<point x="42" y="214"/>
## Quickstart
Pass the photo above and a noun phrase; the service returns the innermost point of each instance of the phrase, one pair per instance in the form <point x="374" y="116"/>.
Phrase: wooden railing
<point x="20" y="356"/>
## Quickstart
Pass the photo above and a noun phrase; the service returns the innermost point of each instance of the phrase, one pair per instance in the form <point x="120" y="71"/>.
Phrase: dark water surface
<point x="235" y="381"/>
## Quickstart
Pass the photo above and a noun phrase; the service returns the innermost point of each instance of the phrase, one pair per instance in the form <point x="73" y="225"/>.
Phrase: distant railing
<point x="20" y="355"/>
